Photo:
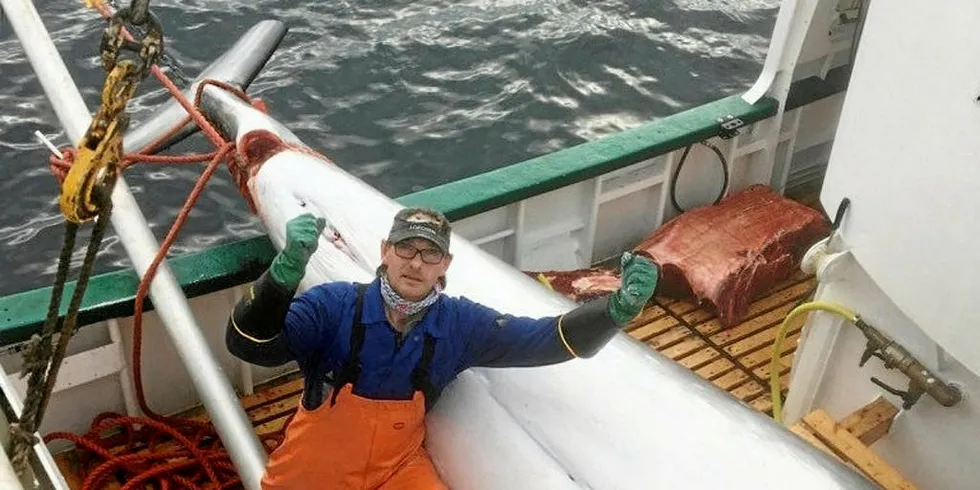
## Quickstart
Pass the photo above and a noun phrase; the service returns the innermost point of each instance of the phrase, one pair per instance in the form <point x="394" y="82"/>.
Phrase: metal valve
<point x="894" y="356"/>
<point x="909" y="397"/>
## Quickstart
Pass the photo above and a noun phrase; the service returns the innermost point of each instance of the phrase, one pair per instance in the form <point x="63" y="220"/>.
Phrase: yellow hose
<point x="777" y="401"/>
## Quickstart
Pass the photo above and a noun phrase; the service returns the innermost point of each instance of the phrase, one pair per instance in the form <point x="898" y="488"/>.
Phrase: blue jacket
<point x="317" y="334"/>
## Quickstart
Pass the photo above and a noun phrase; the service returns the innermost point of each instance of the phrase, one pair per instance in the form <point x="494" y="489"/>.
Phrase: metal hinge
<point x="729" y="126"/>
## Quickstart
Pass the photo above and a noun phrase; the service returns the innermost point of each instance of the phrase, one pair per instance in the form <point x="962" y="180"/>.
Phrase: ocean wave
<point x="404" y="94"/>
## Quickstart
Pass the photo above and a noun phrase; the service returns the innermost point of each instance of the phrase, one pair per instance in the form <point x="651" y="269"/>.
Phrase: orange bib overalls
<point x="354" y="443"/>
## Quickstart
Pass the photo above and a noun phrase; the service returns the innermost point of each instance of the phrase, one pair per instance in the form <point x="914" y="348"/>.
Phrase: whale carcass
<point x="627" y="418"/>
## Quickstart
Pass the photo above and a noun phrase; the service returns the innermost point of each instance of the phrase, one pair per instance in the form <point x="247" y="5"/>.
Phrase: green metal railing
<point x="111" y="295"/>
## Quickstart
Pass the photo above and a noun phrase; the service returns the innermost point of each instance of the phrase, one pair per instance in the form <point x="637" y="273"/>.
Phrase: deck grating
<point x="736" y="359"/>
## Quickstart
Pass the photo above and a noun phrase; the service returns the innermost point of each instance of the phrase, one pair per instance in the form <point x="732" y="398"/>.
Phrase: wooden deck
<point x="736" y="359"/>
<point x="848" y="441"/>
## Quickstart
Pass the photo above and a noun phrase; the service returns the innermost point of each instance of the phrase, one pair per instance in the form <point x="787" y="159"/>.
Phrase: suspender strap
<point x="420" y="376"/>
<point x="352" y="368"/>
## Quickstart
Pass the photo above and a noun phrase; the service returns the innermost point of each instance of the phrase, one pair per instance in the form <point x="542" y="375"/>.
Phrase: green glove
<point x="639" y="280"/>
<point x="302" y="233"/>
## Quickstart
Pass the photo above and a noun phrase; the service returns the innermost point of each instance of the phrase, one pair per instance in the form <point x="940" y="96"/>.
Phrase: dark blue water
<point x="404" y="94"/>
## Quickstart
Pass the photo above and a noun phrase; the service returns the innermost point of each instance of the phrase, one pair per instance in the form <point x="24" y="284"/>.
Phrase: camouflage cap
<point x="421" y="223"/>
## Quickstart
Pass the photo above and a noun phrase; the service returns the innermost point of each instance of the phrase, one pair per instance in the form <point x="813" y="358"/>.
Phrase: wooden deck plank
<point x="792" y="292"/>
<point x="762" y="404"/>
<point x="648" y="315"/>
<point x="274" y="410"/>
<point x="762" y="356"/>
<point x="759" y="357"/>
<point x="715" y="369"/>
<point x="682" y="307"/>
<point x="751" y="390"/>
<point x="677" y="349"/>
<point x="734" y="378"/>
<point x="689" y="346"/>
<point x="749" y="343"/>
<point x="698" y="316"/>
<point x="852" y="449"/>
<point x="669" y="338"/>
<point x="731" y="380"/>
<point x="866" y="425"/>
<point x="699" y="359"/>
<point x="764" y="322"/>
<point x="785" y="363"/>
<point x="272" y="393"/>
<point x="804" y="432"/>
<point x="654" y="328"/>
<point x="872" y="421"/>
<point x="271" y="426"/>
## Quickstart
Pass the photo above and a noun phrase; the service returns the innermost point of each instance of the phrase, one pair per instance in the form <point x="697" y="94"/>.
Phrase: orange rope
<point x="170" y="452"/>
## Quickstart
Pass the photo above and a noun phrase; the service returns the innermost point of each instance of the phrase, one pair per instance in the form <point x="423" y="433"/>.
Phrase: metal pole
<point x="212" y="386"/>
<point x="48" y="466"/>
<point x="8" y="477"/>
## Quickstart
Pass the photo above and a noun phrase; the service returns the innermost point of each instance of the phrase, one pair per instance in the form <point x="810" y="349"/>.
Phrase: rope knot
<point x="35" y="356"/>
<point x="60" y="166"/>
<point x="17" y="430"/>
<point x="23" y="440"/>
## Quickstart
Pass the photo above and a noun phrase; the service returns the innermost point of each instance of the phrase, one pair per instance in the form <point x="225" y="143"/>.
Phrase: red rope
<point x="162" y="451"/>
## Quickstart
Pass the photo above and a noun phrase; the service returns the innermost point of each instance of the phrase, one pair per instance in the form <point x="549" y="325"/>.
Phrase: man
<point x="388" y="348"/>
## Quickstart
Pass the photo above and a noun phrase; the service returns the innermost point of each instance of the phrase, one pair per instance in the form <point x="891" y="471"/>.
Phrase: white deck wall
<point x="906" y="155"/>
<point x="933" y="446"/>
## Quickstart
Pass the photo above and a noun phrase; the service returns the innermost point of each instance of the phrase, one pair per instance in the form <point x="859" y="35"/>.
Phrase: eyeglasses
<point x="408" y="252"/>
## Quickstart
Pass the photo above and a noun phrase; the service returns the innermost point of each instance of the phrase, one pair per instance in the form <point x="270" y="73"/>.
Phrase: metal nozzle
<point x="921" y="380"/>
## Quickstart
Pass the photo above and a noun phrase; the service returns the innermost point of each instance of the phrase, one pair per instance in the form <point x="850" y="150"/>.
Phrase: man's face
<point x="414" y="266"/>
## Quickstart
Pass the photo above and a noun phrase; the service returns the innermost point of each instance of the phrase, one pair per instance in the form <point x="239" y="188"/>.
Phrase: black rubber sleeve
<point x="588" y="328"/>
<point x="256" y="322"/>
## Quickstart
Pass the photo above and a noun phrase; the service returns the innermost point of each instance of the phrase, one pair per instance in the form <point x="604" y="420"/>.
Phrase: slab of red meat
<point x="581" y="285"/>
<point x="730" y="253"/>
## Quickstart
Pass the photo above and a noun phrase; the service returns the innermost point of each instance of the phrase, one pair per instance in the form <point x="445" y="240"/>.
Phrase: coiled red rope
<point x="161" y="451"/>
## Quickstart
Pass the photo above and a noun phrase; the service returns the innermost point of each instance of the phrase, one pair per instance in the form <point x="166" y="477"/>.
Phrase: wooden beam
<point x="804" y="432"/>
<point x="872" y="421"/>
<point x="850" y="448"/>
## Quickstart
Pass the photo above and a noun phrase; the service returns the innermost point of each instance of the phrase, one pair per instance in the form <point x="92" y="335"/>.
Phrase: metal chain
<point x="146" y="52"/>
